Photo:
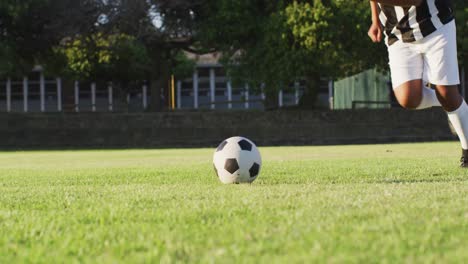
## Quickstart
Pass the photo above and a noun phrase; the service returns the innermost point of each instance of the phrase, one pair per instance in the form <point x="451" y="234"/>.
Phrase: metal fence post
<point x="59" y="94"/>
<point x="42" y="91"/>
<point x="25" y="94"/>
<point x="77" y="96"/>
<point x="195" y="89"/>
<point x="296" y="93"/>
<point x="145" y="96"/>
<point x="229" y="94"/>
<point x="8" y="95"/>
<point x="212" y="88"/>
<point x="179" y="94"/>
<point x="110" y="97"/>
<point x="262" y="89"/>
<point x="246" y="96"/>
<point x="280" y="98"/>
<point x="93" y="97"/>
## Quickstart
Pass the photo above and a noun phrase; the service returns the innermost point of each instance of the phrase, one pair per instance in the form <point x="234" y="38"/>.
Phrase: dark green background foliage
<point x="461" y="13"/>
<point x="263" y="42"/>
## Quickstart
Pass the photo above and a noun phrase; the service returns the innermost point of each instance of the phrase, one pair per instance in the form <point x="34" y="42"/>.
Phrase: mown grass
<point x="372" y="203"/>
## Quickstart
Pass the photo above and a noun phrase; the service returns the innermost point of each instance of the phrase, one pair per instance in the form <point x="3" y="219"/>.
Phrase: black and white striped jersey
<point x="413" y="23"/>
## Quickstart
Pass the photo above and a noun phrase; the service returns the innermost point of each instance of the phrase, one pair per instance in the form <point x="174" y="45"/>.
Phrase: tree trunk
<point x="68" y="93"/>
<point x="158" y="86"/>
<point x="271" y="98"/>
<point x="309" y="98"/>
<point x="155" y="104"/>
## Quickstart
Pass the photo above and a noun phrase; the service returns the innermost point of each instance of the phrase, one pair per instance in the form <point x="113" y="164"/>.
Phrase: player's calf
<point x="457" y="111"/>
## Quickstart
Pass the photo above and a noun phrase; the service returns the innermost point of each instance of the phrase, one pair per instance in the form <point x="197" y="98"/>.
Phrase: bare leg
<point x="414" y="95"/>
<point x="457" y="111"/>
<point x="409" y="94"/>
<point x="449" y="97"/>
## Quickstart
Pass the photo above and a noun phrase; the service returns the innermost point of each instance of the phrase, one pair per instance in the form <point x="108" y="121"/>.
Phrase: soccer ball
<point x="237" y="160"/>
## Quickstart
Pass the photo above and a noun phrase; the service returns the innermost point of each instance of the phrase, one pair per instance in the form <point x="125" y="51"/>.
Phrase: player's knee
<point x="449" y="98"/>
<point x="451" y="103"/>
<point x="409" y="94"/>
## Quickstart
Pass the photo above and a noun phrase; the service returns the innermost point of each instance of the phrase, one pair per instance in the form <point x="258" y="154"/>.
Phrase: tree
<point x="276" y="43"/>
<point x="162" y="44"/>
<point x="336" y="32"/>
<point x="114" y="40"/>
<point x="269" y="44"/>
<point x="30" y="29"/>
<point x="251" y="42"/>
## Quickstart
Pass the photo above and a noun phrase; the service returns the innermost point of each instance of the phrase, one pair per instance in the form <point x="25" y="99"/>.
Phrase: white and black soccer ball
<point x="237" y="160"/>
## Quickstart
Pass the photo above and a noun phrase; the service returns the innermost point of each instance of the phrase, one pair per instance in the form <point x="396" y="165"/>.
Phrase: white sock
<point x="429" y="98"/>
<point x="459" y="120"/>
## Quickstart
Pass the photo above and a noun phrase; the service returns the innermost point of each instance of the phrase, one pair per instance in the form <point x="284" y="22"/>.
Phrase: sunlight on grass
<point x="372" y="203"/>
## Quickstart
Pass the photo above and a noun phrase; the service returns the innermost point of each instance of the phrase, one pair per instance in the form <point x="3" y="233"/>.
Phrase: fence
<point x="209" y="88"/>
<point x="371" y="89"/>
<point x="205" y="90"/>
<point x="46" y="95"/>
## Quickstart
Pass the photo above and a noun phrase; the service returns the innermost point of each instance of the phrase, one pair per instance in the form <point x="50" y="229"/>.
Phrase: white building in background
<point x="208" y="88"/>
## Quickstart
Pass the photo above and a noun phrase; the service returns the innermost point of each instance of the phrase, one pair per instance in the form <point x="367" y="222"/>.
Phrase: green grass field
<point x="375" y="203"/>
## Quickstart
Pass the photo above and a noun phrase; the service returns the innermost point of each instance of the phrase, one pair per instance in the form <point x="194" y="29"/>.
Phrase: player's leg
<point x="457" y="111"/>
<point x="449" y="97"/>
<point x="441" y="62"/>
<point x="415" y="95"/>
<point x="407" y="66"/>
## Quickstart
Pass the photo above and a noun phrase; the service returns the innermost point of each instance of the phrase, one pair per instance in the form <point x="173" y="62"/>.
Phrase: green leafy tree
<point x="161" y="44"/>
<point x="114" y="40"/>
<point x="334" y="36"/>
<point x="106" y="57"/>
<point x="30" y="29"/>
<point x="269" y="44"/>
<point x="250" y="36"/>
<point x="277" y="43"/>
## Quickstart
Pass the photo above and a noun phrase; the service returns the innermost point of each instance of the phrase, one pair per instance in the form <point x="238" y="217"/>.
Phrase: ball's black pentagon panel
<point x="254" y="170"/>
<point x="221" y="146"/>
<point x="216" y="170"/>
<point x="231" y="165"/>
<point x="245" y="145"/>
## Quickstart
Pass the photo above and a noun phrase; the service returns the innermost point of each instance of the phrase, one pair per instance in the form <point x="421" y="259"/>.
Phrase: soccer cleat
<point x="464" y="159"/>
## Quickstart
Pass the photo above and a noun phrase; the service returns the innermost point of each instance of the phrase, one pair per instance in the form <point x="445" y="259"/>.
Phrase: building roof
<point x="209" y="59"/>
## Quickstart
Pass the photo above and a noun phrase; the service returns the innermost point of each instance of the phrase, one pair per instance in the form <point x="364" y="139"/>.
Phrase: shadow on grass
<point x="423" y="180"/>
